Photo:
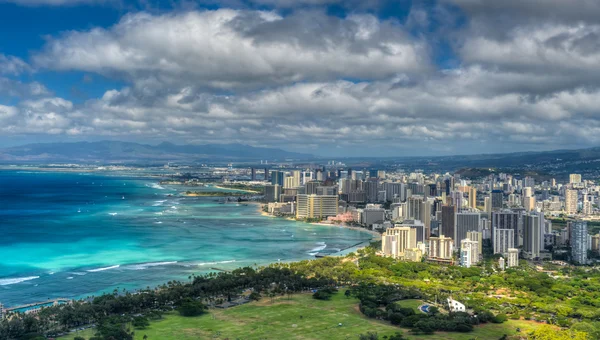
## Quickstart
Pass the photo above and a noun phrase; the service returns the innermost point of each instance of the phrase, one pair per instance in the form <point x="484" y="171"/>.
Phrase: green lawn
<point x="411" y="303"/>
<point x="302" y="317"/>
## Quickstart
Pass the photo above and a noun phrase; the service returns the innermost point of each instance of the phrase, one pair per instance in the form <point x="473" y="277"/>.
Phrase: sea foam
<point x="143" y="266"/>
<point x="315" y="250"/>
<point x="102" y="269"/>
<point x="155" y="186"/>
<point x="213" y="263"/>
<point x="12" y="281"/>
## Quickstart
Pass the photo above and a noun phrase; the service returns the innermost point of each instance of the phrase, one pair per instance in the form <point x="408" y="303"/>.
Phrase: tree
<point x="547" y="332"/>
<point x="396" y="336"/>
<point x="140" y="322"/>
<point x="191" y="308"/>
<point x="368" y="336"/>
<point x="254" y="296"/>
<point x="433" y="310"/>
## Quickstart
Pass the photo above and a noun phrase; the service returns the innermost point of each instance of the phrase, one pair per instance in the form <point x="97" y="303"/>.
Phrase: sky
<point x="326" y="77"/>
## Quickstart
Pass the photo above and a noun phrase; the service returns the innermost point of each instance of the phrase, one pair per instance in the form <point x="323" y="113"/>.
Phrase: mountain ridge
<point x="117" y="151"/>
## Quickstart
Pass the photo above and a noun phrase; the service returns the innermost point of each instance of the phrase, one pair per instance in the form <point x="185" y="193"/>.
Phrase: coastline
<point x="233" y="189"/>
<point x="155" y="276"/>
<point x="375" y="236"/>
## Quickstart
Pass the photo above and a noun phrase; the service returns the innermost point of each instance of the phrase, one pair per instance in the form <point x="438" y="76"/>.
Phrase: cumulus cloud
<point x="306" y="78"/>
<point x="229" y="49"/>
<point x="12" y="65"/>
<point x="14" y="88"/>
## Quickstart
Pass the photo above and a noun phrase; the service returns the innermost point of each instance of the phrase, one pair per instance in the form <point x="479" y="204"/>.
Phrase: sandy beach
<point x="376" y="235"/>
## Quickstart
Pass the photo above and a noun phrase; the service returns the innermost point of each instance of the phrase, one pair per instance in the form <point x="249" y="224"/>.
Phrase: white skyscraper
<point x="504" y="239"/>
<point x="469" y="253"/>
<point x="579" y="242"/>
<point x="512" y="257"/>
<point x="571" y="201"/>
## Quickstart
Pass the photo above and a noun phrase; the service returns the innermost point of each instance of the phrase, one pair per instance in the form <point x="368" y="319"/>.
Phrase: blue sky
<point x="329" y="77"/>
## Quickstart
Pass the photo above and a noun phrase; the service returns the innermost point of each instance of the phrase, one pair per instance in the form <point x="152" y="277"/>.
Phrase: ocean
<point x="73" y="235"/>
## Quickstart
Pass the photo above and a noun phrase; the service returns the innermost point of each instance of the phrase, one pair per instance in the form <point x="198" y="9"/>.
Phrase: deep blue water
<point x="72" y="235"/>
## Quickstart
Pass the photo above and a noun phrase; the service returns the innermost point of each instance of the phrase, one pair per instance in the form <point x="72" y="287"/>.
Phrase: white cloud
<point x="12" y="65"/>
<point x="232" y="49"/>
<point x="308" y="78"/>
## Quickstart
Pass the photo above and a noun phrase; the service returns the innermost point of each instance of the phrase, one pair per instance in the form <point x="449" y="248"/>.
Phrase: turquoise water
<point x="68" y="235"/>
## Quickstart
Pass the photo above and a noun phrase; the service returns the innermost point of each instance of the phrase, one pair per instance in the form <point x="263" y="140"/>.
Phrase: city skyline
<point x="330" y="77"/>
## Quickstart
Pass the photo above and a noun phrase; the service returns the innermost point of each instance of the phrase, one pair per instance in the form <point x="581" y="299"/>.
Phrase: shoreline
<point x="376" y="236"/>
<point x="233" y="189"/>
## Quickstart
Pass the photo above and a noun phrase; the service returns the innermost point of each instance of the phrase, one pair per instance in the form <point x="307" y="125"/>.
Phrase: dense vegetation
<point x="561" y="296"/>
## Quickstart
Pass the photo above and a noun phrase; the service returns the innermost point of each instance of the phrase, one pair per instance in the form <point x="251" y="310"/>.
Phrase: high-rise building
<point x="476" y="236"/>
<point x="396" y="240"/>
<point x="512" y="257"/>
<point x="579" y="239"/>
<point x="596" y="243"/>
<point x="311" y="187"/>
<point x="393" y="190"/>
<point x="532" y="236"/>
<point x="529" y="182"/>
<point x="571" y="201"/>
<point x="316" y="206"/>
<point x="272" y="192"/>
<point x="587" y="205"/>
<point x="277" y="177"/>
<point x="419" y="227"/>
<point x="441" y="248"/>
<point x="327" y="190"/>
<point x="575" y="178"/>
<point x="529" y="203"/>
<point x="413" y="205"/>
<point x="252" y="174"/>
<point x="296" y="176"/>
<point x="506" y="219"/>
<point x="373" y="215"/>
<point x="289" y="183"/>
<point x="487" y="206"/>
<point x="503" y="239"/>
<point x="472" y="197"/>
<point x="469" y="253"/>
<point x="426" y="212"/>
<point x="497" y="198"/>
<point x="371" y="188"/>
<point x="465" y="222"/>
<point x="448" y="220"/>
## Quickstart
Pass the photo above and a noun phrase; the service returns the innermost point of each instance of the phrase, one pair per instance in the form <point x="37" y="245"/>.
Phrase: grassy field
<point x="301" y="317"/>
<point x="414" y="304"/>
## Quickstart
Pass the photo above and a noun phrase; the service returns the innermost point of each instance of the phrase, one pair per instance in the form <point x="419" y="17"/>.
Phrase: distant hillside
<point x="108" y="151"/>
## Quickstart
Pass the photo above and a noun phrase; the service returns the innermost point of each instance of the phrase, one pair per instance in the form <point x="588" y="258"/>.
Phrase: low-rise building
<point x="455" y="306"/>
<point x="413" y="255"/>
